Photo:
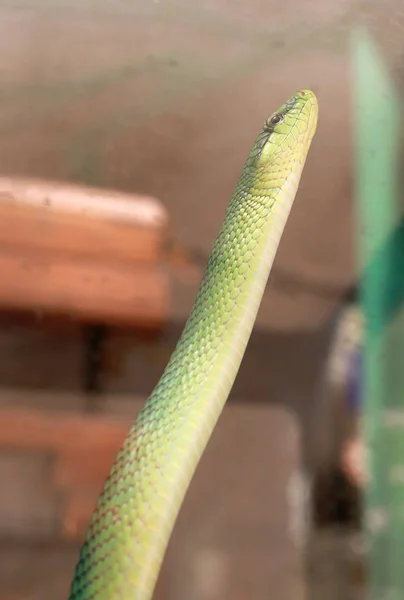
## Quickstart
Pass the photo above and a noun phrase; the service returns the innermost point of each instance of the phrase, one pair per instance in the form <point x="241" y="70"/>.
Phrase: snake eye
<point x="276" y="119"/>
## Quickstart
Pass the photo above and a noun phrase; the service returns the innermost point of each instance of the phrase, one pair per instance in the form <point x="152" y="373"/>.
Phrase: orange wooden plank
<point x="87" y="467"/>
<point x="84" y="290"/>
<point x="69" y="198"/>
<point x="27" y="227"/>
<point x="62" y="432"/>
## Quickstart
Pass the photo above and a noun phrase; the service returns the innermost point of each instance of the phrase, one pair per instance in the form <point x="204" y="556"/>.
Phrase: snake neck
<point x="215" y="336"/>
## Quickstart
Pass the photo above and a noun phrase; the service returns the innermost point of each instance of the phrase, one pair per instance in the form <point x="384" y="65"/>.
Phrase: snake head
<point x="288" y="128"/>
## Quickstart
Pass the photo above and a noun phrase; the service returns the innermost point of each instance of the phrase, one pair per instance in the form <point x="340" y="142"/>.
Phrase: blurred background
<point x="123" y="130"/>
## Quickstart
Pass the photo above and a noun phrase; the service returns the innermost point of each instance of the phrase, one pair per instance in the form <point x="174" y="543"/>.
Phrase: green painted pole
<point x="380" y="252"/>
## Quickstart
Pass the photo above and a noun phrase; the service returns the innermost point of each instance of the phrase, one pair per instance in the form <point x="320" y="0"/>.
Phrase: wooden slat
<point x="28" y="227"/>
<point x="85" y="290"/>
<point x="65" y="432"/>
<point x="85" y="253"/>
<point x="80" y="200"/>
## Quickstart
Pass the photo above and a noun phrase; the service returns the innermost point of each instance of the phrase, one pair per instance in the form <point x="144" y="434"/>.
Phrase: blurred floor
<point x="43" y="572"/>
<point x="335" y="568"/>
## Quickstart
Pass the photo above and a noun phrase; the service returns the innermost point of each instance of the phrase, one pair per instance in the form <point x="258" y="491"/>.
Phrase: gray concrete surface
<point x="43" y="571"/>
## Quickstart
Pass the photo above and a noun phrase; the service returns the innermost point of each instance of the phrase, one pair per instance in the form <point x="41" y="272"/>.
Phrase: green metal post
<point x="380" y="250"/>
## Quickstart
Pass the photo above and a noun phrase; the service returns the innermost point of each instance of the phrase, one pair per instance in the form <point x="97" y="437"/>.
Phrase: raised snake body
<point x="136" y="511"/>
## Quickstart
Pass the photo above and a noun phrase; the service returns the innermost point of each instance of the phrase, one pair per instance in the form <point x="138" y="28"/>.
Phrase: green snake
<point x="136" y="511"/>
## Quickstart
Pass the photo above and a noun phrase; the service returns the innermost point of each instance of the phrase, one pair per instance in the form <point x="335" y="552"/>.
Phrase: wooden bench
<point x="82" y="257"/>
<point x="86" y="261"/>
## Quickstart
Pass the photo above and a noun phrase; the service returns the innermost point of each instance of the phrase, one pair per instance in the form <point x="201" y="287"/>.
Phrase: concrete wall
<point x="166" y="97"/>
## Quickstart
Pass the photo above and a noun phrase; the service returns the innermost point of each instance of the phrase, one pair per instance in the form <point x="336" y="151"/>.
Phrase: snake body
<point x="136" y="511"/>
